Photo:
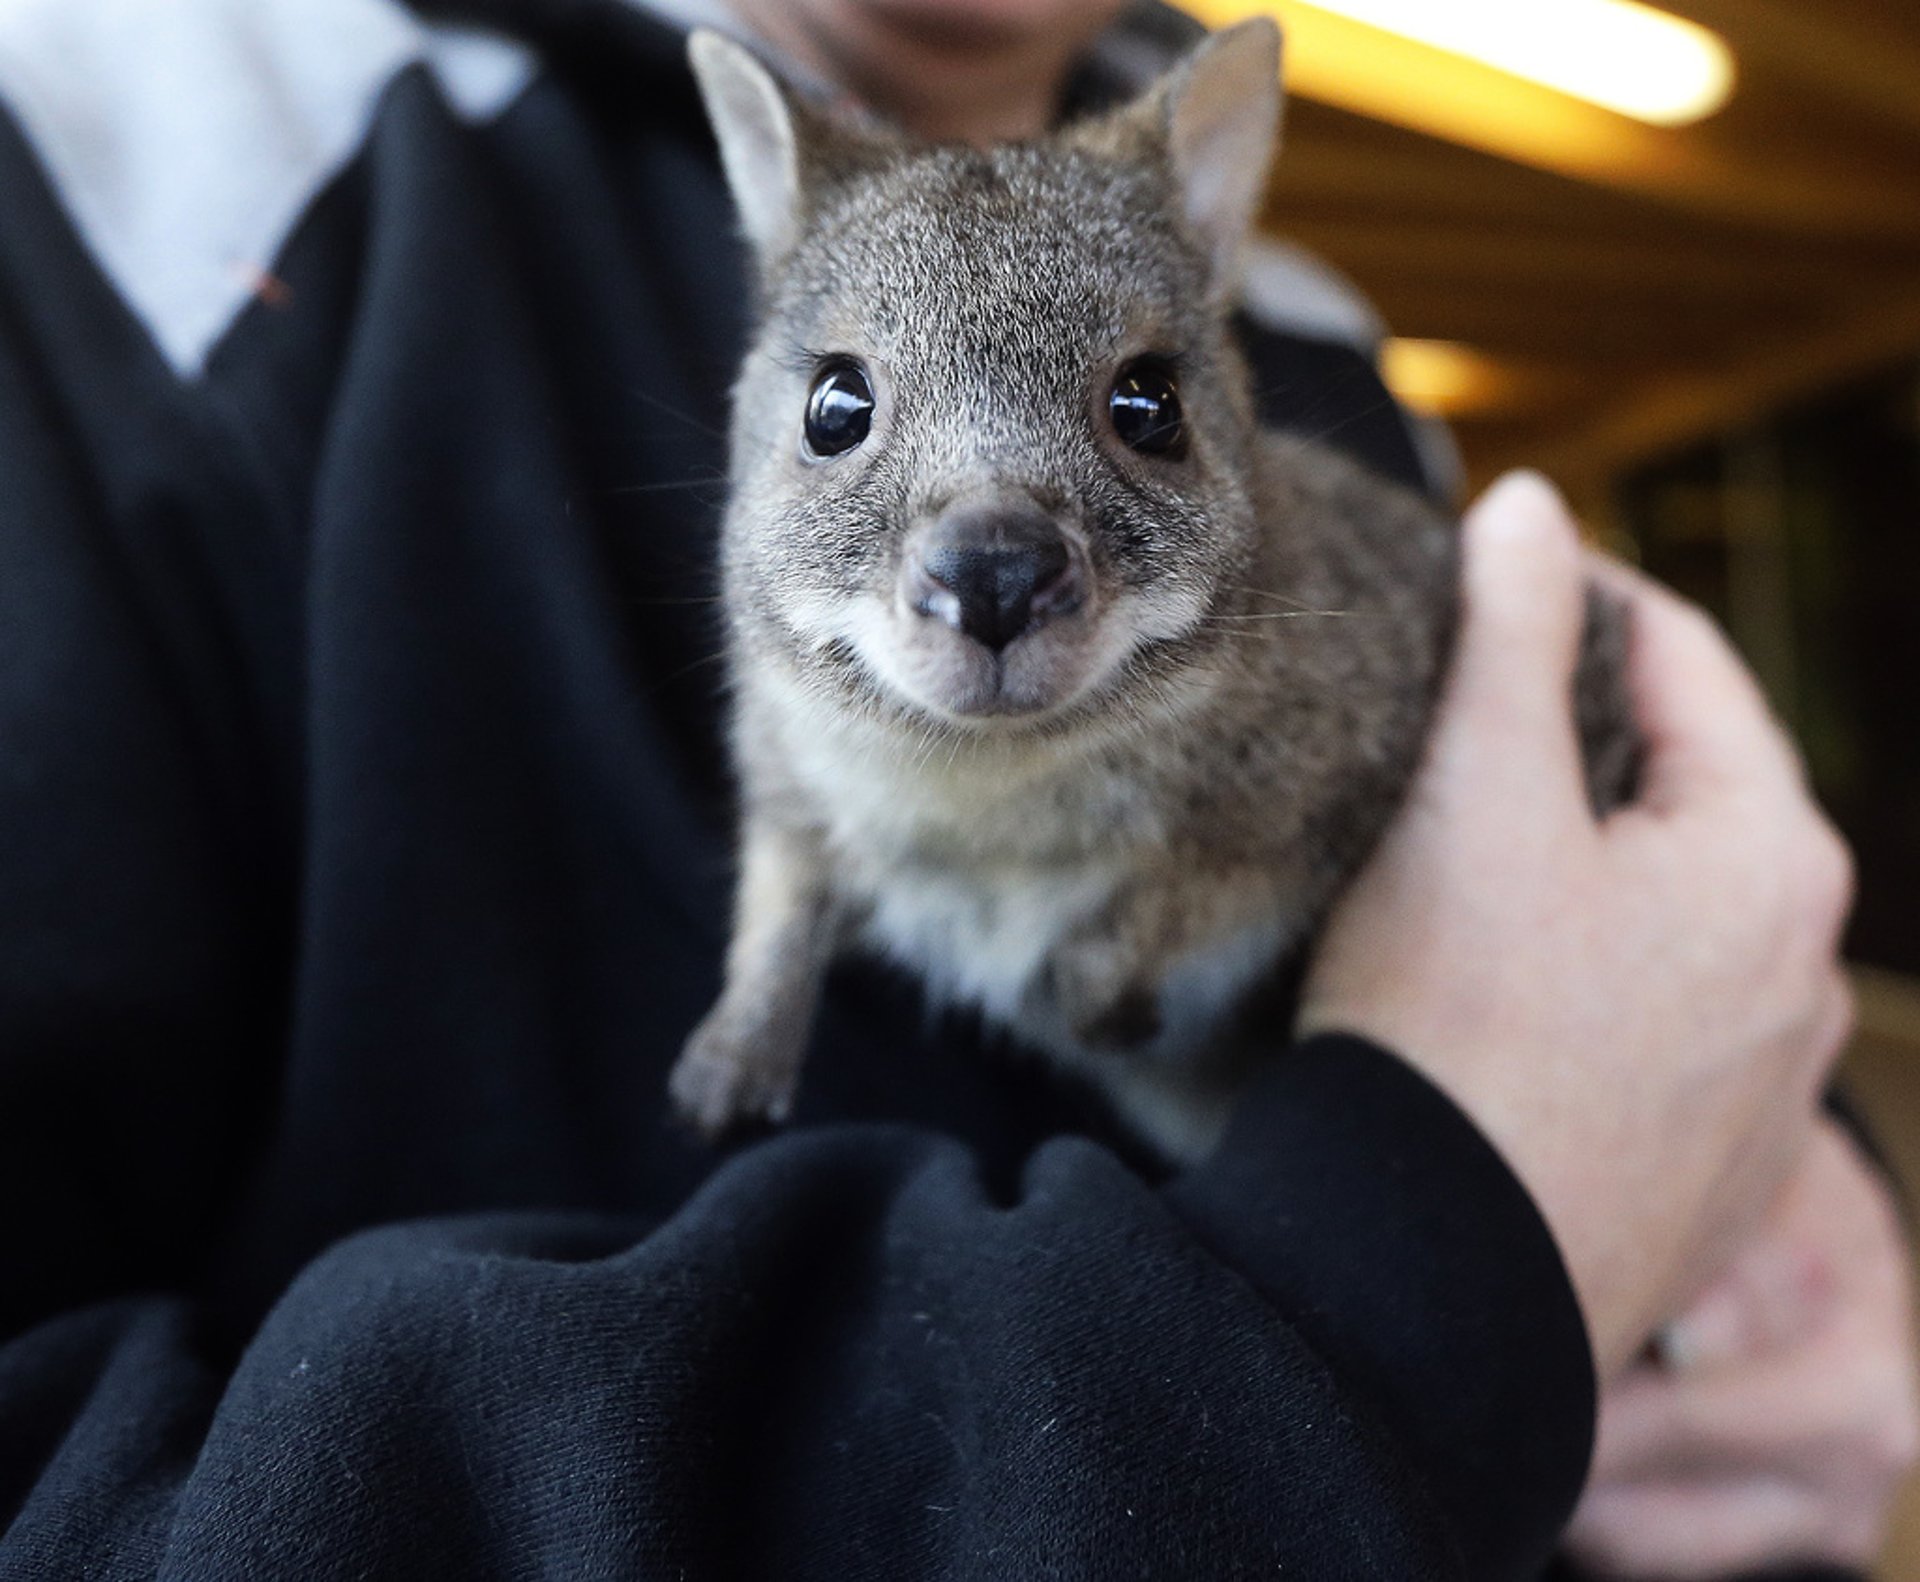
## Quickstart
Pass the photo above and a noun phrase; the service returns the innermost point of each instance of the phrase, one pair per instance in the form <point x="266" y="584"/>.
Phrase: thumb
<point x="1507" y="719"/>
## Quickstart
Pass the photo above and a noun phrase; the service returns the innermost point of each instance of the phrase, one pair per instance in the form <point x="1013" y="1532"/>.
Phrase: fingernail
<point x="1522" y="501"/>
<point x="1712" y="1331"/>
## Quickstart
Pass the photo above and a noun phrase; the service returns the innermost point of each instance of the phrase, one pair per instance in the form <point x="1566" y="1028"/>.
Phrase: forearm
<point x="844" y="1353"/>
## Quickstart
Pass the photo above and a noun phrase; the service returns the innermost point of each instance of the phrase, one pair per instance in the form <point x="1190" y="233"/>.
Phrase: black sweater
<point x="363" y="861"/>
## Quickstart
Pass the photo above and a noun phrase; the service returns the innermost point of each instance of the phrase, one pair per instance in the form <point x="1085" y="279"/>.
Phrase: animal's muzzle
<point x="995" y="572"/>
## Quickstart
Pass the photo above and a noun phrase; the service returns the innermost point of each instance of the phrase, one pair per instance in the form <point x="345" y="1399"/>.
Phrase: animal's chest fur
<point x="979" y="937"/>
<point x="971" y="878"/>
<point x="972" y="875"/>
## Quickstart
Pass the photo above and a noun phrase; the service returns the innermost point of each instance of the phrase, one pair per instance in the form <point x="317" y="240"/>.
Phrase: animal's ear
<point x="1223" y="115"/>
<point x="755" y="122"/>
<point x="1217" y="116"/>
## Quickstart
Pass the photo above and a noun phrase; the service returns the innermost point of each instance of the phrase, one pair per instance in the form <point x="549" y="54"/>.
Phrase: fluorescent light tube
<point x="1619" y="54"/>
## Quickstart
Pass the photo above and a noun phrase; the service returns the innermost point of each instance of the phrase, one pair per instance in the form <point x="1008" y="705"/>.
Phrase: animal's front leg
<point x="743" y="1061"/>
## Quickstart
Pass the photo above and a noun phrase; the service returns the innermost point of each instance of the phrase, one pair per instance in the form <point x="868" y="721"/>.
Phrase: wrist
<point x="1374" y="1215"/>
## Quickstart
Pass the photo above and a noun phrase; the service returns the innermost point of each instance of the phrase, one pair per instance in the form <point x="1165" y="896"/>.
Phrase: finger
<point x="1508" y="716"/>
<point x="1836" y="1021"/>
<point x="1776" y="1295"/>
<point x="1782" y="1288"/>
<point x="1688" y="1531"/>
<point x="1705" y="725"/>
<point x="1790" y="1411"/>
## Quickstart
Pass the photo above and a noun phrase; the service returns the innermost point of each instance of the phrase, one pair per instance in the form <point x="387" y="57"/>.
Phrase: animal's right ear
<point x="754" y="121"/>
<point x="1212" y="121"/>
<point x="1222" y="109"/>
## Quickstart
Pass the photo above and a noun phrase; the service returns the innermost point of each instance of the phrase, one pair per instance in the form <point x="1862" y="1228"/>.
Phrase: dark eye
<point x="1145" y="408"/>
<point x="839" y="409"/>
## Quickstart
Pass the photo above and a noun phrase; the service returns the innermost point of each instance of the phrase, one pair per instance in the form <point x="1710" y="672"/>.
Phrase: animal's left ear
<point x="1217" y="115"/>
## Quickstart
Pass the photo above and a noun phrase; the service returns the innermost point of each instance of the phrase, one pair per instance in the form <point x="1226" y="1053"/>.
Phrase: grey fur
<point x="1110" y="836"/>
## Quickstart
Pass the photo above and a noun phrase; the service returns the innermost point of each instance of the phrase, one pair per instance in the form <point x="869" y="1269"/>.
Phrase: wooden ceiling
<point x="1706" y="276"/>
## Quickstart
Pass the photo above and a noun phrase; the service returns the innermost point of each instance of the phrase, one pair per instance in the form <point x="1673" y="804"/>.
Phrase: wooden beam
<point x="1446" y="96"/>
<point x="1888" y="1005"/>
<point x="1668" y="413"/>
<point x="1542" y="322"/>
<point x="1340" y="163"/>
<point x="1472" y="253"/>
<point x="1875" y="70"/>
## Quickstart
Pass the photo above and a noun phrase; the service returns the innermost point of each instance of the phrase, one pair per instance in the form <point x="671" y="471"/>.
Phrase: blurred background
<point x="1672" y="257"/>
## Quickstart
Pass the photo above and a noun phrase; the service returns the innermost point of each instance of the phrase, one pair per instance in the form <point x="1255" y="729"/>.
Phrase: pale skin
<point x="1781" y="1420"/>
<point x="1516" y="951"/>
<point x="1639" y="1015"/>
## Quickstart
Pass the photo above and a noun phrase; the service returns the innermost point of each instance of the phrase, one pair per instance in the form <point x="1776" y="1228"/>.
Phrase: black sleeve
<point x="1342" y="1349"/>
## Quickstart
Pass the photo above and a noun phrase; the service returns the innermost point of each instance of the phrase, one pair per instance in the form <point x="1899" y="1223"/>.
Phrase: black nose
<point x="994" y="574"/>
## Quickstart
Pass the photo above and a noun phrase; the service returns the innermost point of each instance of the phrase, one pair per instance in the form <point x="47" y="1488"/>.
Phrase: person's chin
<point x="984" y="23"/>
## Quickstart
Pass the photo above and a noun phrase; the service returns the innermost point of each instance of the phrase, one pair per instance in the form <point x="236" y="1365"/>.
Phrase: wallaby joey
<point x="1055" y="677"/>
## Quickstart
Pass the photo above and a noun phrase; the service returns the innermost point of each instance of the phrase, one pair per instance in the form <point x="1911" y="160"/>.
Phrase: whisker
<point x="674" y="412"/>
<point x="1265" y="593"/>
<point x="1292" y="615"/>
<point x="711" y="598"/>
<point x="1359" y="415"/>
<point x="668" y="487"/>
<point x="698" y="664"/>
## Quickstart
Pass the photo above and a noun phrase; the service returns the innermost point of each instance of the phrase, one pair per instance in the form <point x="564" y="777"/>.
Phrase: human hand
<point x="1638" y="1014"/>
<point x="1780" y="1419"/>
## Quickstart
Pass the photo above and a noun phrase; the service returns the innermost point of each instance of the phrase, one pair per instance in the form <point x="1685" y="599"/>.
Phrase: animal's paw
<point x="725" y="1076"/>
